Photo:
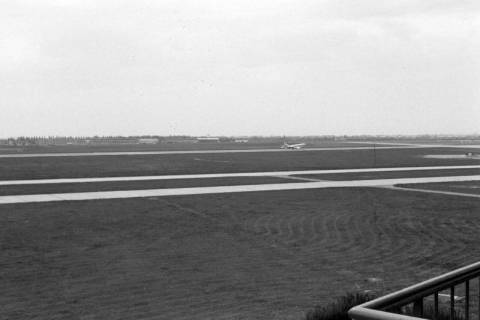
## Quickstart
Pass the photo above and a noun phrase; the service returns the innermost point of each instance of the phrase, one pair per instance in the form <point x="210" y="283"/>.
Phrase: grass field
<point x="264" y="255"/>
<point x="70" y="167"/>
<point x="268" y="255"/>
<point x="275" y="144"/>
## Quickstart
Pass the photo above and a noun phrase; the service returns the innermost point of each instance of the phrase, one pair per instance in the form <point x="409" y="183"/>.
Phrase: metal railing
<point x="391" y="306"/>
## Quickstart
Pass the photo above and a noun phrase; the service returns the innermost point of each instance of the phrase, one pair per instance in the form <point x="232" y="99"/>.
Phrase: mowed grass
<point x="469" y="187"/>
<point x="180" y="146"/>
<point x="265" y="255"/>
<point x="101" y="166"/>
<point x="135" y="185"/>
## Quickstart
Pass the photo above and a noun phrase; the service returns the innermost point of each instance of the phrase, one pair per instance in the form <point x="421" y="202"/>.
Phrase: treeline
<point x="117" y="139"/>
<point x="64" y="140"/>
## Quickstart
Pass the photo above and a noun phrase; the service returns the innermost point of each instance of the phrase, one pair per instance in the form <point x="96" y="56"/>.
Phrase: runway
<point x="420" y="145"/>
<point x="229" y="175"/>
<point x="136" y="153"/>
<point x="225" y="189"/>
<point x="449" y="193"/>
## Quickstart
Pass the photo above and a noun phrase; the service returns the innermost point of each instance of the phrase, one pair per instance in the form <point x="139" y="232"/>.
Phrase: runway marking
<point x="297" y="178"/>
<point x="210" y="160"/>
<point x="420" y="145"/>
<point x="134" y="153"/>
<point x="450" y="193"/>
<point x="225" y="189"/>
<point x="229" y="175"/>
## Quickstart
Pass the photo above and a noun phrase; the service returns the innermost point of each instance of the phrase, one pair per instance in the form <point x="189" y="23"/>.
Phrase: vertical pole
<point x="452" y="303"/>
<point x="467" y="299"/>
<point x="418" y="308"/>
<point x="435" y="306"/>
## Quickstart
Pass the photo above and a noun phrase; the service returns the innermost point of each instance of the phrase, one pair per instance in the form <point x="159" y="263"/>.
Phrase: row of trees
<point x="61" y="140"/>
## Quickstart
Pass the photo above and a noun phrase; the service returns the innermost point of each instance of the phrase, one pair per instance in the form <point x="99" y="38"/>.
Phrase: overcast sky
<point x="239" y="67"/>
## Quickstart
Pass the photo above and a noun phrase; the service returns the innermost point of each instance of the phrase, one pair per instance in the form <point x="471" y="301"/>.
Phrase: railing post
<point x="467" y="299"/>
<point x="388" y="307"/>
<point x="418" y="308"/>
<point x="452" y="303"/>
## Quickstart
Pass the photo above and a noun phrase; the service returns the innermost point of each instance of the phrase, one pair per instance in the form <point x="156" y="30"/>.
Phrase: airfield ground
<point x="184" y="146"/>
<point x="281" y="160"/>
<point x="135" y="185"/>
<point x="256" y="255"/>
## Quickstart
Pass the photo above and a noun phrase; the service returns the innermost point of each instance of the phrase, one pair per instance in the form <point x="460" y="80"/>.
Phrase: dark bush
<point x="338" y="310"/>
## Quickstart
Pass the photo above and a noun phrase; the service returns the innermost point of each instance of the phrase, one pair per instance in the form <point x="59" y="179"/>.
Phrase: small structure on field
<point x="148" y="140"/>
<point x="471" y="155"/>
<point x="208" y="139"/>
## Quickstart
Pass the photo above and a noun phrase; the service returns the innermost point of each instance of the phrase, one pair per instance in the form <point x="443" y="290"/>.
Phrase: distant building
<point x="148" y="140"/>
<point x="180" y="140"/>
<point x="208" y="139"/>
<point x="241" y="140"/>
<point x="111" y="140"/>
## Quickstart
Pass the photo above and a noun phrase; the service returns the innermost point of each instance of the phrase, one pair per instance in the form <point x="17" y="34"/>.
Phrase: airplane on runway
<point x="295" y="146"/>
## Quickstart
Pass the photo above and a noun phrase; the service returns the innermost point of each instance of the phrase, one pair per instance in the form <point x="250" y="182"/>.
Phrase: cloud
<point x="331" y="66"/>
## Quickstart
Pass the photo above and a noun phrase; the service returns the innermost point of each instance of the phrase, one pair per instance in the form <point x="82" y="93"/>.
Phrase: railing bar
<point x="452" y="302"/>
<point x="467" y="299"/>
<point x="435" y="307"/>
<point x="361" y="313"/>
<point x="421" y="290"/>
<point x="400" y="301"/>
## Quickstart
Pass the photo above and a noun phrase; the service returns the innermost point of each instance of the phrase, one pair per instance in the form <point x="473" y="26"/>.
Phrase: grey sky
<point x="85" y="67"/>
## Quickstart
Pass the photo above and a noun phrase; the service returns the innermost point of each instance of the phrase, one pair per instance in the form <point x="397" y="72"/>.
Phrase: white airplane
<point x="293" y="146"/>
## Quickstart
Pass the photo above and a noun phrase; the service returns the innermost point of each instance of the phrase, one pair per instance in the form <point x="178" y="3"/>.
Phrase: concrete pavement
<point x="225" y="189"/>
<point x="229" y="175"/>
